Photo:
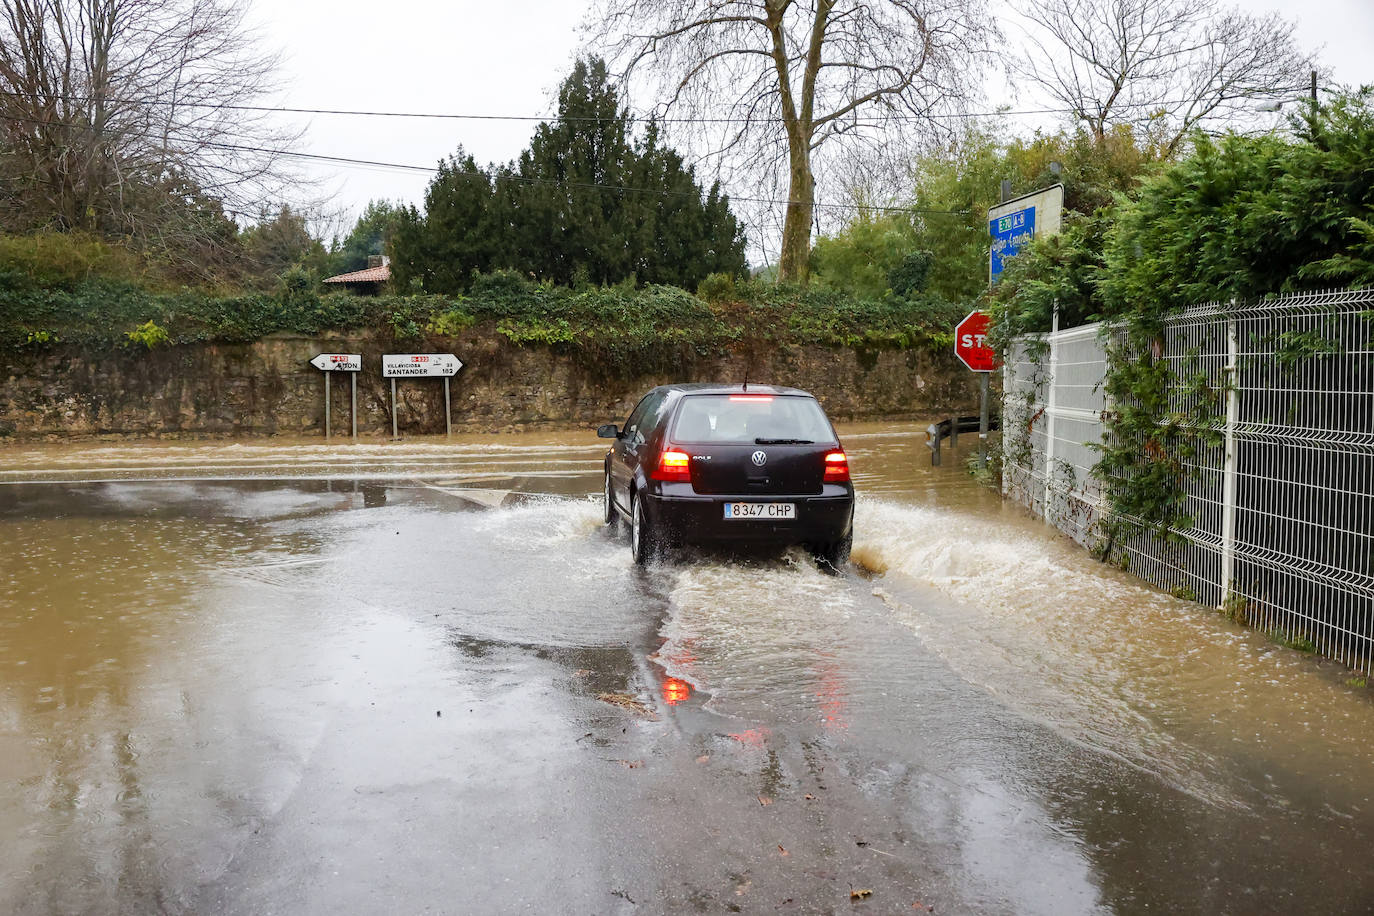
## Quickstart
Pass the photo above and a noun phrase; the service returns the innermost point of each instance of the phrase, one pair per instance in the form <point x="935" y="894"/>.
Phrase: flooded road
<point x="419" y="677"/>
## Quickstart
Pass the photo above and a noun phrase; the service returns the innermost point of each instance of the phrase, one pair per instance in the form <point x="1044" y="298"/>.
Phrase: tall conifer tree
<point x="586" y="202"/>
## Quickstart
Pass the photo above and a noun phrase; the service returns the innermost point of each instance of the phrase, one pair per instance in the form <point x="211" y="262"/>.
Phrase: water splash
<point x="1161" y="684"/>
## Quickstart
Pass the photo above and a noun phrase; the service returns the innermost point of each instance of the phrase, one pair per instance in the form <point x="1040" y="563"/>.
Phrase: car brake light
<point x="673" y="465"/>
<point x="836" y="467"/>
<point x="751" y="397"/>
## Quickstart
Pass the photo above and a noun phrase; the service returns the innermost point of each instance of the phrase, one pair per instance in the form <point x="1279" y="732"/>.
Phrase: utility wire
<point x="365" y="113"/>
<point x="375" y="163"/>
<point x="579" y="184"/>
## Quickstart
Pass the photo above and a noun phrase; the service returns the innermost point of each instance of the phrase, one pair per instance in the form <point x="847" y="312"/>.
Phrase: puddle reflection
<point x="676" y="690"/>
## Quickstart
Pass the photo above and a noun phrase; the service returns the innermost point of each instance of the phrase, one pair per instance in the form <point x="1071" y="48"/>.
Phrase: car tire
<point x="832" y="557"/>
<point x="643" y="539"/>
<point x="611" y="513"/>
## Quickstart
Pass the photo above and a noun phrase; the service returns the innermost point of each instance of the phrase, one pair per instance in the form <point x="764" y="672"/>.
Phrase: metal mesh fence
<point x="1282" y="511"/>
<point x="1023" y="427"/>
<point x="1048" y="431"/>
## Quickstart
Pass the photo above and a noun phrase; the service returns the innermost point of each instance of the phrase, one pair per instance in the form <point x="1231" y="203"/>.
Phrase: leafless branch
<point x="801" y="86"/>
<point x="116" y="112"/>
<point x="1165" y="67"/>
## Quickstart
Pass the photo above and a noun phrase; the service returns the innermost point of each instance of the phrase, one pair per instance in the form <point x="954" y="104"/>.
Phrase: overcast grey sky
<point x="471" y="57"/>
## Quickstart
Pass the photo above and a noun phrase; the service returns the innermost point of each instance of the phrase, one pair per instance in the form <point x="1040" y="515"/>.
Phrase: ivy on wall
<point x="650" y="328"/>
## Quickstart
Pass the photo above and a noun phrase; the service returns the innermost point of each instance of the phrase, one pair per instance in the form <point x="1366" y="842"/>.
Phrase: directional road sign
<point x="971" y="343"/>
<point x="1013" y="223"/>
<point x="338" y="362"/>
<point x="1010" y="233"/>
<point x="420" y="365"/>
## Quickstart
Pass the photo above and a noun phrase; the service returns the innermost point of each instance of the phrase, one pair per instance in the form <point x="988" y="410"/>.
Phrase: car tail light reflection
<point x="674" y="465"/>
<point x="836" y="467"/>
<point x="676" y="691"/>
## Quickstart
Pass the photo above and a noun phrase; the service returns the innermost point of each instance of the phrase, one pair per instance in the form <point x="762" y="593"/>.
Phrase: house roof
<point x="366" y="275"/>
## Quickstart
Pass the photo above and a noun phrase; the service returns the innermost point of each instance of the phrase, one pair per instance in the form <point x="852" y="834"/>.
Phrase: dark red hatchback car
<point x="723" y="464"/>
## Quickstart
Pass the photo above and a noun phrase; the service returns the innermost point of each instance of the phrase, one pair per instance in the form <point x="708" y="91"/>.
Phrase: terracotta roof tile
<point x="367" y="275"/>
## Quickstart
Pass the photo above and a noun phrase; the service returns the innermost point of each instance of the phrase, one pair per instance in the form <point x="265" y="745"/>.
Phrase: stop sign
<point x="971" y="343"/>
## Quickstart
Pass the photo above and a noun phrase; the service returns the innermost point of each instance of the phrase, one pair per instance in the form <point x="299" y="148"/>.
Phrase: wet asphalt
<point x="379" y="696"/>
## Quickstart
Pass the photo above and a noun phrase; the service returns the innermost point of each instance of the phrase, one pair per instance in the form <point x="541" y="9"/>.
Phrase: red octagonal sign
<point x="971" y="343"/>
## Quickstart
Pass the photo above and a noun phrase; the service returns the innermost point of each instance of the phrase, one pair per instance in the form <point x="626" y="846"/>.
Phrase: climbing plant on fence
<point x="1232" y="464"/>
<point x="1161" y="415"/>
<point x="1240" y="218"/>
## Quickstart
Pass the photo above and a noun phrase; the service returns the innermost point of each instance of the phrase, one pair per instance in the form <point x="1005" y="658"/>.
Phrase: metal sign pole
<point x="448" y="412"/>
<point x="421" y="365"/>
<point x="328" y="364"/>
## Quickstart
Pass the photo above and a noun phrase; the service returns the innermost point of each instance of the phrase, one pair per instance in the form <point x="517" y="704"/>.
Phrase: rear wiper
<point x="784" y="442"/>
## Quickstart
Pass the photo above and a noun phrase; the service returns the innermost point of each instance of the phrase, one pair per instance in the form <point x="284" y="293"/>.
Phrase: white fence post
<point x="1228" y="485"/>
<point x="1309" y="465"/>
<point x="1007" y="376"/>
<point x="1050" y="408"/>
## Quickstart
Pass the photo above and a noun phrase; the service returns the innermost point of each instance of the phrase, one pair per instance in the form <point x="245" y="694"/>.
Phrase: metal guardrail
<point x="950" y="429"/>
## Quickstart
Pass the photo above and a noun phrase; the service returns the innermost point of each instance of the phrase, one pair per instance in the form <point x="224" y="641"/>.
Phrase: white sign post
<point x="352" y="363"/>
<point x="421" y="365"/>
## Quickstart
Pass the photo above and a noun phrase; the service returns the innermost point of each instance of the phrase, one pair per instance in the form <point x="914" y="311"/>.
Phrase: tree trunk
<point x="794" y="263"/>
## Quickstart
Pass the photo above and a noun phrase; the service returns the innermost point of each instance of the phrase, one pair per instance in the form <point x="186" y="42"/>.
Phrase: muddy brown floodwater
<point x="284" y="677"/>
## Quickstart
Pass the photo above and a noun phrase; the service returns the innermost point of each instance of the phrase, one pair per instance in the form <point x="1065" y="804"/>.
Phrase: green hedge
<point x="1240" y="217"/>
<point x="600" y="323"/>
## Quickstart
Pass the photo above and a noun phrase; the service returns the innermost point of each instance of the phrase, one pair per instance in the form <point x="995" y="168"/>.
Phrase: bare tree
<point x="1162" y="66"/>
<point x="786" y="78"/>
<point x="115" y="112"/>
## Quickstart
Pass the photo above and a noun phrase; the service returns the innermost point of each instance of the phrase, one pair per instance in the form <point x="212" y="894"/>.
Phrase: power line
<point x="578" y="184"/>
<point x="448" y="116"/>
<point x="548" y="182"/>
<point x="396" y="166"/>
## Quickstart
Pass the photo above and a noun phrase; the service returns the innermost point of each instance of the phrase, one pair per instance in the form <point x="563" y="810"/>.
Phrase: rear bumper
<point x="701" y="519"/>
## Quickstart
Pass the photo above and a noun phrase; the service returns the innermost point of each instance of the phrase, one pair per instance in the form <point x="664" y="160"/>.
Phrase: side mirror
<point x="608" y="431"/>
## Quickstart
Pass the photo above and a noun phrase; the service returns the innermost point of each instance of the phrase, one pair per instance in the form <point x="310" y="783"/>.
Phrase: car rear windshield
<point x="751" y="419"/>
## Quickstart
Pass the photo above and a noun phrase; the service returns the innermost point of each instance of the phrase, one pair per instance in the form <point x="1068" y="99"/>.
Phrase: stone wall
<point x="269" y="388"/>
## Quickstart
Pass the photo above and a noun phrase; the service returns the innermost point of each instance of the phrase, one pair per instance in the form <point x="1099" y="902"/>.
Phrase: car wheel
<point x="643" y="541"/>
<point x="611" y="514"/>
<point x="832" y="557"/>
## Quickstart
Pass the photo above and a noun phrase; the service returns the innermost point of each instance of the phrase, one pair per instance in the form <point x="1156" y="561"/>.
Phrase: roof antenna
<point x="745" y="386"/>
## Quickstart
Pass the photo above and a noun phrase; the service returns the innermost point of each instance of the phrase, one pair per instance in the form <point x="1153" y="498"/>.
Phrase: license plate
<point x="763" y="511"/>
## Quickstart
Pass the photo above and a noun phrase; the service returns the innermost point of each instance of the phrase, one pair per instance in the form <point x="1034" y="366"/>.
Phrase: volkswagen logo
<point x="760" y="458"/>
